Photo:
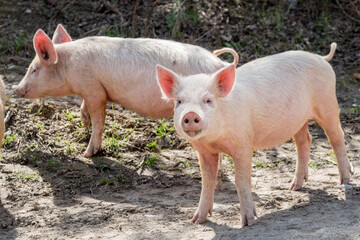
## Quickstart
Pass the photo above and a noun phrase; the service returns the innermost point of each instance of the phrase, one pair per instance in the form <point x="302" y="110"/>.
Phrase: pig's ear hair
<point x="61" y="35"/>
<point x="224" y="80"/>
<point x="166" y="80"/>
<point x="44" y="48"/>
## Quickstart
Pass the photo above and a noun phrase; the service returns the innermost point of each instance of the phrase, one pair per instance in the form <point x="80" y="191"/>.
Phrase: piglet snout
<point x="191" y="124"/>
<point x="20" y="92"/>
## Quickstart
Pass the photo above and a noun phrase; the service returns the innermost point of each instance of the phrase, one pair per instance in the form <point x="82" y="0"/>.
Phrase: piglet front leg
<point x="208" y="167"/>
<point x="243" y="167"/>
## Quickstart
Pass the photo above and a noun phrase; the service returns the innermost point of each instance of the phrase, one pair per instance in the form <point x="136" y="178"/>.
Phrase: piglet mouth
<point x="19" y="92"/>
<point x="193" y="133"/>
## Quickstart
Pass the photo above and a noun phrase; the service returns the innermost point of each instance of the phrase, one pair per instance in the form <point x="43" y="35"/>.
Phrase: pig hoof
<point x="248" y="220"/>
<point x="88" y="154"/>
<point x="295" y="187"/>
<point x="197" y="220"/>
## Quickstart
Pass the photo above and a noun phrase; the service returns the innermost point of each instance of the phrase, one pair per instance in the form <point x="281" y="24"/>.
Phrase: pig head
<point x="42" y="77"/>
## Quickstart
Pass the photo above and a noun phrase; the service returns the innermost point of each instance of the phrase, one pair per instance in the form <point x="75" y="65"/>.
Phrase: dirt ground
<point x="145" y="183"/>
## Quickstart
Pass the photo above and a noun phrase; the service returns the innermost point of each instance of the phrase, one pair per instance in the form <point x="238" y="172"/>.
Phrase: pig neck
<point x="234" y="130"/>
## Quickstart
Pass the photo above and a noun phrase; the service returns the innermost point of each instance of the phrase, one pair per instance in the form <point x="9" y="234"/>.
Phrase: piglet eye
<point x="33" y="70"/>
<point x="179" y="101"/>
<point x="208" y="100"/>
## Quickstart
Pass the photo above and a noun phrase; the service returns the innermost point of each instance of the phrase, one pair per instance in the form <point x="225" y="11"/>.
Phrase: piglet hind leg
<point x="243" y="168"/>
<point x="97" y="113"/>
<point x="303" y="141"/>
<point x="85" y="115"/>
<point x="209" y="167"/>
<point x="328" y="118"/>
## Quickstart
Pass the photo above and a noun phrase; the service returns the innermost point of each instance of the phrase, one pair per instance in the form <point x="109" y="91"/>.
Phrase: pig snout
<point x="191" y="124"/>
<point x="19" y="91"/>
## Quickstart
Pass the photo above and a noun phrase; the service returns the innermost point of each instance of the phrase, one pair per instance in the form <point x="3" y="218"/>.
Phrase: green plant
<point x="152" y="145"/>
<point x="53" y="163"/>
<point x="9" y="139"/>
<point x="68" y="115"/>
<point x="312" y="164"/>
<point x="175" y="18"/>
<point x="230" y="160"/>
<point x="164" y="129"/>
<point x="121" y="178"/>
<point x="20" y="42"/>
<point x="151" y="160"/>
<point x="105" y="181"/>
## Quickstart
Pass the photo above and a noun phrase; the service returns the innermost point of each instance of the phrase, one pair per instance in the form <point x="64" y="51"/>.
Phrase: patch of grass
<point x="164" y="129"/>
<point x="20" y="42"/>
<point x="121" y="178"/>
<point x="235" y="45"/>
<point x="151" y="161"/>
<point x="175" y="18"/>
<point x="68" y="115"/>
<point x="53" y="163"/>
<point x="39" y="126"/>
<point x="230" y="160"/>
<point x="112" y="143"/>
<point x="152" y="145"/>
<point x="70" y="147"/>
<point x="105" y="181"/>
<point x="265" y="164"/>
<point x="22" y="177"/>
<point x="312" y="164"/>
<point x="9" y="139"/>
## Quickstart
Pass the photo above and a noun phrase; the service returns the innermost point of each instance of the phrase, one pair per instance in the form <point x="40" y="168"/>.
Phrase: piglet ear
<point x="61" y="35"/>
<point x="44" y="48"/>
<point x="224" y="80"/>
<point x="166" y="80"/>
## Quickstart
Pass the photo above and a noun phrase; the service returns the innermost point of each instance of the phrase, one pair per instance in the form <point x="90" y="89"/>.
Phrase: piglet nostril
<point x="191" y="122"/>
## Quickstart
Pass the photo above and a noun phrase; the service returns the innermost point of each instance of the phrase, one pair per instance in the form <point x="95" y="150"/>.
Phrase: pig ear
<point x="166" y="79"/>
<point x="44" y="48"/>
<point x="61" y="35"/>
<point x="224" y="80"/>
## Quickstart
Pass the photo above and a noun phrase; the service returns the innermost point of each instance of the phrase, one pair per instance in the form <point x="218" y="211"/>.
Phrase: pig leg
<point x="303" y="141"/>
<point x="208" y="167"/>
<point x="220" y="174"/>
<point x="332" y="128"/>
<point x="243" y="167"/>
<point x="84" y="115"/>
<point x="97" y="114"/>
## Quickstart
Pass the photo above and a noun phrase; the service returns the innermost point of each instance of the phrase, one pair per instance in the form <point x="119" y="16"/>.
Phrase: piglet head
<point x="197" y="112"/>
<point x="41" y="78"/>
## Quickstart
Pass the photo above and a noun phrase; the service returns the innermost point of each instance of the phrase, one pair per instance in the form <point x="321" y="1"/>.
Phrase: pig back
<point x="281" y="92"/>
<point x="126" y="68"/>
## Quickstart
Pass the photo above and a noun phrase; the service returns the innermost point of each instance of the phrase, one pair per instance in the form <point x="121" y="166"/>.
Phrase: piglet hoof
<point x="297" y="182"/>
<point x="90" y="151"/>
<point x="248" y="217"/>
<point x="345" y="177"/>
<point x="200" y="218"/>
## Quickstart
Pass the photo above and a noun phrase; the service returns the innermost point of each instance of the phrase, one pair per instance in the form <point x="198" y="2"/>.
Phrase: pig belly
<point x="277" y="130"/>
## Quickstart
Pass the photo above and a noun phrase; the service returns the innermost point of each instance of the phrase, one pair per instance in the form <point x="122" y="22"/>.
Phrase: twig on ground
<point x="8" y="116"/>
<point x="134" y="19"/>
<point x="149" y="17"/>
<point x="343" y="11"/>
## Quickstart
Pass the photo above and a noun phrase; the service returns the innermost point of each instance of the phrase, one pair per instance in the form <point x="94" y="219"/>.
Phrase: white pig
<point x="270" y="100"/>
<point x="102" y="69"/>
